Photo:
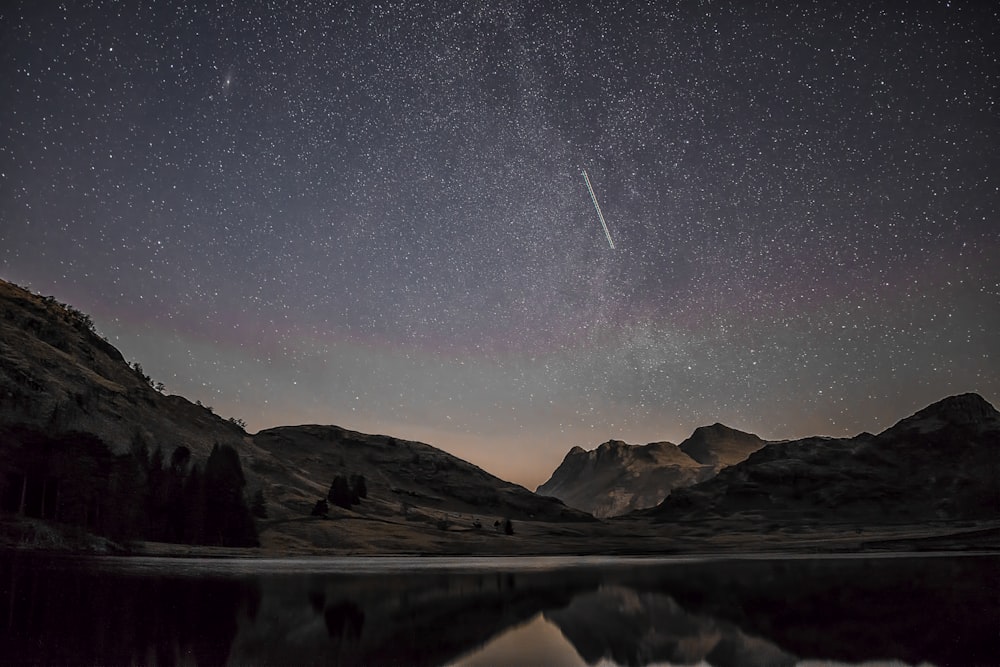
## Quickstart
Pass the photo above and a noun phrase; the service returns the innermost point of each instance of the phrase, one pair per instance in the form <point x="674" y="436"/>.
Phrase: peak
<point x="713" y="428"/>
<point x="961" y="410"/>
<point x="613" y="444"/>
<point x="574" y="455"/>
<point x="718" y="430"/>
<point x="963" y="407"/>
<point x="719" y="444"/>
<point x="660" y="444"/>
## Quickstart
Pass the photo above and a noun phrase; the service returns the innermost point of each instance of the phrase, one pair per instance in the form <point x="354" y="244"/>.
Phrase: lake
<point x="922" y="609"/>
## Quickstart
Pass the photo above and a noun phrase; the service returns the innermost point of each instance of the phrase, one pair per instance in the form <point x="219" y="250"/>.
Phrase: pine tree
<point x="359" y="488"/>
<point x="258" y="506"/>
<point x="194" y="504"/>
<point x="227" y="518"/>
<point x="321" y="508"/>
<point x="340" y="493"/>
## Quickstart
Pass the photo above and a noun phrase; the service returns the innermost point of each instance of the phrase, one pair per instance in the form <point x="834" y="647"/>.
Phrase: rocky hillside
<point x="63" y="388"/>
<point x="942" y="463"/>
<point x="58" y="376"/>
<point x="617" y="477"/>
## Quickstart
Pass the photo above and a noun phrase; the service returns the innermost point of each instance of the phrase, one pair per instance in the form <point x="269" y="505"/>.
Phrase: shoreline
<point x="610" y="538"/>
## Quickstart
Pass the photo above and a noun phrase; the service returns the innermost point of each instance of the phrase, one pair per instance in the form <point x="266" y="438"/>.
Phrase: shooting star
<point x="597" y="207"/>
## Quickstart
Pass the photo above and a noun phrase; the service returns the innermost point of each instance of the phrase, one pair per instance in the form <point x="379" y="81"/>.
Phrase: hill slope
<point x="399" y="474"/>
<point x="57" y="376"/>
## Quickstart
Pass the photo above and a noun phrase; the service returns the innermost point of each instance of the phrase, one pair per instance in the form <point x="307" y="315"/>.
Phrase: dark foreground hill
<point x="617" y="478"/>
<point x="399" y="474"/>
<point x="940" y="464"/>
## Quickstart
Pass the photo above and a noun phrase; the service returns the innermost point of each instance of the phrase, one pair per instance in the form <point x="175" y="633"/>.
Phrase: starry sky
<point x="374" y="214"/>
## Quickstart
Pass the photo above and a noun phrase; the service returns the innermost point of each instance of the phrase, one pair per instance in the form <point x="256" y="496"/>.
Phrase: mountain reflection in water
<point x="423" y="611"/>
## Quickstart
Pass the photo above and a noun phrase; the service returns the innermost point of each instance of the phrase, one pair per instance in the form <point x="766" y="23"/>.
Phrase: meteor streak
<point x="597" y="207"/>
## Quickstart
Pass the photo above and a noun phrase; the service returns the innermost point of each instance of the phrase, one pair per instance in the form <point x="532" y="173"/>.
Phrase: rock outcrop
<point x="617" y="478"/>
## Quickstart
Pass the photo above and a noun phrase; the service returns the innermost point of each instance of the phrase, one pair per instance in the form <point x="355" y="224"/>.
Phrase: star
<point x="380" y="220"/>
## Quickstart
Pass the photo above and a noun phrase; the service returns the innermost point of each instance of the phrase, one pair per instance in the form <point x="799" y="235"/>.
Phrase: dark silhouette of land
<point x="95" y="456"/>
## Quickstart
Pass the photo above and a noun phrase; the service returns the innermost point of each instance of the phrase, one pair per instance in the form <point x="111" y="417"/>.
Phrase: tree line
<point x="75" y="479"/>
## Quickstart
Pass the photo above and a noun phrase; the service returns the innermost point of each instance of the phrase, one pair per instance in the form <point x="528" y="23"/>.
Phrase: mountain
<point x="616" y="478"/>
<point x="970" y="411"/>
<point x="720" y="446"/>
<point x="942" y="463"/>
<point x="87" y="438"/>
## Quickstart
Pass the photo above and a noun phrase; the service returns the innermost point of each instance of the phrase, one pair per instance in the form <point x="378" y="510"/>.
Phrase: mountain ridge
<point x="615" y="477"/>
<point x="65" y="392"/>
<point x="941" y="463"/>
<point x="719" y="445"/>
<point x="969" y="409"/>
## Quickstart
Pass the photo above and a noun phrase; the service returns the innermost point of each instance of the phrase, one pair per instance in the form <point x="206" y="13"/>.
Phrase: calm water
<point x="941" y="610"/>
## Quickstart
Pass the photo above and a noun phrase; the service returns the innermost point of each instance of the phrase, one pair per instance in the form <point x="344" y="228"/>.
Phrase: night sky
<point x="375" y="215"/>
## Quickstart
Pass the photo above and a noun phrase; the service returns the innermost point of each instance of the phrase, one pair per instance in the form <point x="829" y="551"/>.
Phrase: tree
<point x="138" y="370"/>
<point x="194" y="504"/>
<point x="258" y="506"/>
<point x="227" y="518"/>
<point x="176" y="510"/>
<point x="508" y="527"/>
<point x="157" y="492"/>
<point x="180" y="459"/>
<point x="321" y="508"/>
<point x="126" y="519"/>
<point x="359" y="488"/>
<point x="340" y="493"/>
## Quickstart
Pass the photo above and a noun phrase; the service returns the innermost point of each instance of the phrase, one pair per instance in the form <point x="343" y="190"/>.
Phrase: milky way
<point x="372" y="215"/>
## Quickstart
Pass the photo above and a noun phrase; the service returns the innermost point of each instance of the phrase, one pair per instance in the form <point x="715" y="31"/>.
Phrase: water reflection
<point x="548" y="647"/>
<point x="58" y="613"/>
<point x="630" y="627"/>
<point x="478" y="611"/>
